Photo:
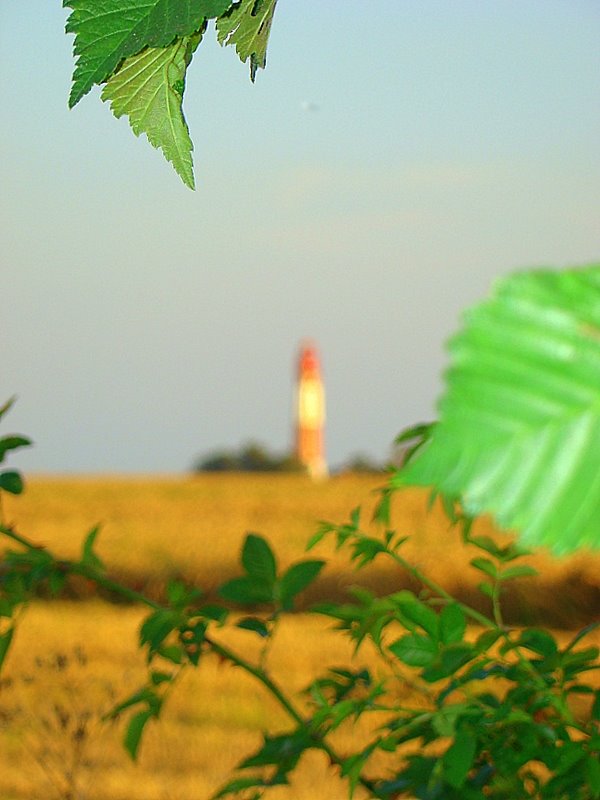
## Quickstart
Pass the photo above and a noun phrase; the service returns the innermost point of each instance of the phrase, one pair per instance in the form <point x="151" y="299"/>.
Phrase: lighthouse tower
<point x="310" y="413"/>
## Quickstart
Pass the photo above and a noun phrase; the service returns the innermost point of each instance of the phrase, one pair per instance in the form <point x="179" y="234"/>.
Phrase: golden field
<point x="72" y="660"/>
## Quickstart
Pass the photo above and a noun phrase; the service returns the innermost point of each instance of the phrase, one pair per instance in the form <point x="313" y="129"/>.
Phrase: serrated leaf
<point x="11" y="482"/>
<point x="520" y="571"/>
<point x="247" y="591"/>
<point x="157" y="627"/>
<point x="284" y="751"/>
<point x="486" y="566"/>
<point x="89" y="558"/>
<point x="109" y="31"/>
<point x="416" y="611"/>
<point x="444" y="720"/>
<point x="240" y="784"/>
<point x="296" y="579"/>
<point x="258" y="559"/>
<point x="148" y="89"/>
<point x="458" y="758"/>
<point x="157" y="677"/>
<point x="12" y="443"/>
<point x="172" y="653"/>
<point x="144" y="695"/>
<point x="592" y="772"/>
<point x="540" y="641"/>
<point x="452" y="623"/>
<point x="595" y="714"/>
<point x="519" y="434"/>
<point x="255" y="625"/>
<point x="214" y="612"/>
<point x="452" y="657"/>
<point x="134" y="731"/>
<point x="247" y="26"/>
<point x="415" y="650"/>
<point x="5" y="640"/>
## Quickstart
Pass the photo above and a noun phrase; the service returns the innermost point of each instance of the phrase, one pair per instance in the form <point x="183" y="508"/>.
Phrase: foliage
<point x="503" y="713"/>
<point x="499" y="712"/>
<point x="252" y="457"/>
<point x="139" y="51"/>
<point x="519" y="429"/>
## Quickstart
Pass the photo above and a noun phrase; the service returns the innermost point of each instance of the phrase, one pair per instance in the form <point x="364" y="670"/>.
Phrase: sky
<point x="383" y="171"/>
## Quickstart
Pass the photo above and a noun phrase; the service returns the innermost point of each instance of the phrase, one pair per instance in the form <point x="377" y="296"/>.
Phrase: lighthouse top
<point x="308" y="363"/>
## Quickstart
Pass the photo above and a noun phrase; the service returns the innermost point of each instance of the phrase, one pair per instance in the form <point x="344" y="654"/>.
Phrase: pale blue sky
<point x="143" y="324"/>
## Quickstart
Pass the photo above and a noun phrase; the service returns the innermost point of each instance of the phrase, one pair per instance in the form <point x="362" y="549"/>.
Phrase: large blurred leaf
<point x="519" y="430"/>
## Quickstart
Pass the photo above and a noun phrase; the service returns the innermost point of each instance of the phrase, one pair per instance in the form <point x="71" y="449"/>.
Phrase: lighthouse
<point x="310" y="413"/>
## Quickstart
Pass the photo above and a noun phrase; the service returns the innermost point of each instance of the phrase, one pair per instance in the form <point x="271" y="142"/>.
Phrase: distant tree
<point x="216" y="462"/>
<point x="251" y="457"/>
<point x="362" y="464"/>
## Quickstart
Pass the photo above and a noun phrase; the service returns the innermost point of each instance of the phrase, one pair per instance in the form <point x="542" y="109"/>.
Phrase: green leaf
<point x="134" y="731"/>
<point x="458" y="759"/>
<point x="144" y="695"/>
<point x="5" y="640"/>
<point x="148" y="88"/>
<point x="452" y="623"/>
<point x="582" y="634"/>
<point x="451" y="658"/>
<point x="519" y="433"/>
<point x="416" y="611"/>
<point x="415" y="650"/>
<point x="486" y="566"/>
<point x="11" y="482"/>
<point x="539" y="641"/>
<point x="255" y="625"/>
<point x="258" y="559"/>
<point x="157" y="677"/>
<point x="12" y="443"/>
<point x="109" y="31"/>
<point x="520" y="571"/>
<point x="247" y="25"/>
<point x="157" y="627"/>
<point x="172" y="653"/>
<point x="445" y="719"/>
<point x="240" y="784"/>
<point x="7" y="406"/>
<point x="592" y="772"/>
<point x="296" y="579"/>
<point x="284" y="751"/>
<point x="417" y="435"/>
<point x="247" y="591"/>
<point x="89" y="558"/>
<point x="214" y="612"/>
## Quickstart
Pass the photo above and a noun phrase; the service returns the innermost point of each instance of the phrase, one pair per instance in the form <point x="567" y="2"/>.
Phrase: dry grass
<point x="213" y="717"/>
<point x="192" y="528"/>
<point x="76" y="658"/>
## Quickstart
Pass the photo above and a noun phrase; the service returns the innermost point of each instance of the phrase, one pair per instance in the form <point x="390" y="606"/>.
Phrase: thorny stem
<point x="91" y="573"/>
<point x="440" y="591"/>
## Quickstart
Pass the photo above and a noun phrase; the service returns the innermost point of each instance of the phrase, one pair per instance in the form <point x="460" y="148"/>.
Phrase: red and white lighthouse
<point x="310" y="413"/>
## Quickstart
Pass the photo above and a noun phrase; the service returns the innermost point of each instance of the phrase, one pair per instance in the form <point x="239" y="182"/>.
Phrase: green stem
<point x="441" y="592"/>
<point x="91" y="573"/>
<point x="496" y="589"/>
